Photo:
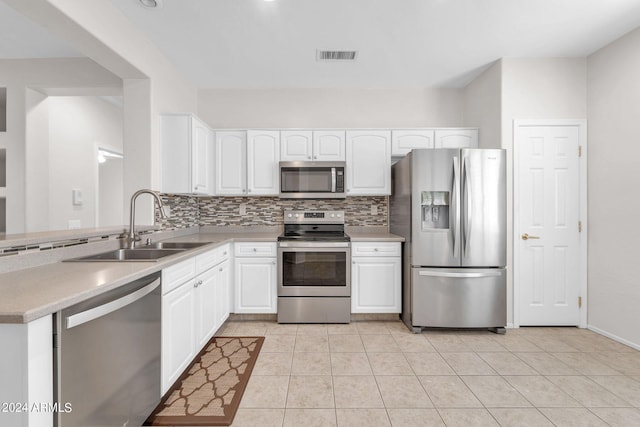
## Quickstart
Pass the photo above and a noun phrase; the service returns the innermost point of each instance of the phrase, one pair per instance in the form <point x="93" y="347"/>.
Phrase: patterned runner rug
<point x="209" y="391"/>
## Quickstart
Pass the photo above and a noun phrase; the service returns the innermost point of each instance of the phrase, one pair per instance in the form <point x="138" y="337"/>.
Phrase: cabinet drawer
<point x="255" y="249"/>
<point x="375" y="249"/>
<point x="206" y="260"/>
<point x="174" y="276"/>
<point x="223" y="252"/>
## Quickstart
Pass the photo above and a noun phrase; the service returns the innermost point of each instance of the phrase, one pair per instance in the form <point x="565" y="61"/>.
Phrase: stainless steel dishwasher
<point x="107" y="357"/>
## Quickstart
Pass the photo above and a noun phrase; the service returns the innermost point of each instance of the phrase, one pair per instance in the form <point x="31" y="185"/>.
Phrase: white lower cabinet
<point x="376" y="277"/>
<point x="255" y="278"/>
<point x="195" y="303"/>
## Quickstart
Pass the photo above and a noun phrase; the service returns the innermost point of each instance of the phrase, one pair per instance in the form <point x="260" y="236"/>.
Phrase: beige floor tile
<point x="625" y="363"/>
<point x="346" y="329"/>
<point x="546" y="364"/>
<point x="520" y="417"/>
<point x="484" y="342"/>
<point x="389" y="364"/>
<point x="467" y="364"/>
<point x="587" y="392"/>
<point x="350" y="364"/>
<point x="311" y="364"/>
<point x="362" y="418"/>
<point x="541" y="392"/>
<point x="372" y="328"/>
<point x="269" y="391"/>
<point x="411" y="343"/>
<point x="312" y="343"/>
<point x="447" y="342"/>
<point x="585" y="364"/>
<point x="249" y="332"/>
<point x="586" y="343"/>
<point x="278" y="344"/>
<point x="623" y="387"/>
<point x="619" y="417"/>
<point x="246" y="417"/>
<point x="552" y="344"/>
<point x="449" y="392"/>
<point x="516" y="343"/>
<point x="282" y="329"/>
<point x="495" y="392"/>
<point x="310" y="417"/>
<point x="310" y="391"/>
<point x="398" y="328"/>
<point x="428" y="364"/>
<point x="507" y="364"/>
<point x="415" y="418"/>
<point x="467" y="417"/>
<point x="309" y="329"/>
<point x="355" y="391"/>
<point x="273" y="364"/>
<point x="380" y="344"/>
<point x="345" y="344"/>
<point x="402" y="392"/>
<point x="572" y="417"/>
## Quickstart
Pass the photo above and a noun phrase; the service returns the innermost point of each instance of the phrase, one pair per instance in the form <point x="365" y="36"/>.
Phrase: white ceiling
<point x="253" y="44"/>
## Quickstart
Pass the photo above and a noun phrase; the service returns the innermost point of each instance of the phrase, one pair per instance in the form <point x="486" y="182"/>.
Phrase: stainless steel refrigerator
<point x="450" y="206"/>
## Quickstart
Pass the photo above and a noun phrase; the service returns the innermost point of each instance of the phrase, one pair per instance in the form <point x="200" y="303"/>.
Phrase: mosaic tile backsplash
<point x="189" y="211"/>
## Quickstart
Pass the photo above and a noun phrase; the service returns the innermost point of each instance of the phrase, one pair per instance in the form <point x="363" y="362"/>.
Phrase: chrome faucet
<point x="131" y="237"/>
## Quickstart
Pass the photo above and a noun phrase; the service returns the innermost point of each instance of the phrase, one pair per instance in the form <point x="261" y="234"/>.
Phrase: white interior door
<point x="547" y="226"/>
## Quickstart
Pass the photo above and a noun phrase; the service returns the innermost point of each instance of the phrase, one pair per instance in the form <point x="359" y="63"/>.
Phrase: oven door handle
<point x="313" y="245"/>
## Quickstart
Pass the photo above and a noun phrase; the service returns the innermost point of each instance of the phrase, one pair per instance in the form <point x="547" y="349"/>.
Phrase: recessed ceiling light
<point x="151" y="3"/>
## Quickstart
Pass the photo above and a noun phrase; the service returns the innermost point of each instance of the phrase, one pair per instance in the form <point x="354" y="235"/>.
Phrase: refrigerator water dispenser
<point x="435" y="210"/>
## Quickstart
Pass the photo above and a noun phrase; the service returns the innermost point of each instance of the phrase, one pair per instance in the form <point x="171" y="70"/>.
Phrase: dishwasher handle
<point x="104" y="309"/>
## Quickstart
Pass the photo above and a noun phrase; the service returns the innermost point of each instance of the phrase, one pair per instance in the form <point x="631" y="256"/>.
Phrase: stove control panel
<point x="314" y="217"/>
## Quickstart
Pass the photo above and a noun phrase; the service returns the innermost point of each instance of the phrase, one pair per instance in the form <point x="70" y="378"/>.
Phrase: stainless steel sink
<point x="172" y="245"/>
<point x="120" y="255"/>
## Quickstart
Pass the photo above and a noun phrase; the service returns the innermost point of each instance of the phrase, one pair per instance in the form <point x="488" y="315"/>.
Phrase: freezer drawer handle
<point x="463" y="275"/>
<point x="102" y="310"/>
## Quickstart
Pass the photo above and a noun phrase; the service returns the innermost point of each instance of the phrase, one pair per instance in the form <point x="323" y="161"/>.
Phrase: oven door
<point x="314" y="269"/>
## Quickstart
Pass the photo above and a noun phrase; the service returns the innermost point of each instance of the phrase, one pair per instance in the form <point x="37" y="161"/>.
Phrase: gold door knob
<point x="525" y="236"/>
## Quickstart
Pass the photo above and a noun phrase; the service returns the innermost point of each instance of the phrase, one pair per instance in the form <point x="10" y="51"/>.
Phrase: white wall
<point x="614" y="207"/>
<point x="329" y="108"/>
<point x="483" y="106"/>
<point x="36" y="206"/>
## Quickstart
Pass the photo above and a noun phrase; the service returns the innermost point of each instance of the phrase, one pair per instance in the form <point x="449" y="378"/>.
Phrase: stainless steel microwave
<point x="312" y="180"/>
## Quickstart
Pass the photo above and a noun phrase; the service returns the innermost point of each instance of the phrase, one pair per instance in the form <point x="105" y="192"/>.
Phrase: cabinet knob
<point x="224" y="253"/>
<point x="221" y="269"/>
<point x="273" y="262"/>
<point x="375" y="249"/>
<point x="255" y="250"/>
<point x="353" y="262"/>
<point x="315" y="157"/>
<point x="309" y="157"/>
<point x="249" y="190"/>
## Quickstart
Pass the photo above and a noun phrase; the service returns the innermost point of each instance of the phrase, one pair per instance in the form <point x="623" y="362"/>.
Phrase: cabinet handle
<point x="315" y="157"/>
<point x="353" y="262"/>
<point x="255" y="250"/>
<point x="273" y="262"/>
<point x="221" y="269"/>
<point x="375" y="249"/>
<point x="309" y="157"/>
<point x="224" y="253"/>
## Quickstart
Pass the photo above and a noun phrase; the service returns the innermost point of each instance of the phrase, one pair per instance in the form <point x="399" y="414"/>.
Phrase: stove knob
<point x="297" y="215"/>
<point x="339" y="215"/>
<point x="332" y="215"/>
<point x="289" y="215"/>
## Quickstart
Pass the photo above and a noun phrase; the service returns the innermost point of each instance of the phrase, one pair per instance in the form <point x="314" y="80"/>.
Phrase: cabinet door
<point x="376" y="285"/>
<point x="368" y="167"/>
<point x="205" y="307"/>
<point x="329" y="145"/>
<point x="255" y="290"/>
<point x="296" y="145"/>
<point x="456" y="138"/>
<point x="403" y="141"/>
<point x="231" y="163"/>
<point x="223" y="283"/>
<point x="263" y="156"/>
<point x="175" y="131"/>
<point x="178" y="335"/>
<point x="201" y="157"/>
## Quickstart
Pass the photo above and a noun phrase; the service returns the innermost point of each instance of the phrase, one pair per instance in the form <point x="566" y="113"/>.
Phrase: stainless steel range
<point x="314" y="268"/>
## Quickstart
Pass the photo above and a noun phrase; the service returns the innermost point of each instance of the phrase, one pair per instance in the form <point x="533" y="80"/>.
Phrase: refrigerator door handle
<point x="466" y="220"/>
<point x="460" y="275"/>
<point x="456" y="207"/>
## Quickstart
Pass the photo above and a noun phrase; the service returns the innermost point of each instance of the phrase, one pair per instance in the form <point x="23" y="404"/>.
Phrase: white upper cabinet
<point x="403" y="141"/>
<point x="317" y="146"/>
<point x="231" y="163"/>
<point x="263" y="157"/>
<point x="187" y="155"/>
<point x="368" y="167"/>
<point x="329" y="145"/>
<point x="456" y="138"/>
<point x="296" y="145"/>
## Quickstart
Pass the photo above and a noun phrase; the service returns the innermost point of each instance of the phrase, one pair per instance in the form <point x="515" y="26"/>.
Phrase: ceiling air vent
<point x="336" y="55"/>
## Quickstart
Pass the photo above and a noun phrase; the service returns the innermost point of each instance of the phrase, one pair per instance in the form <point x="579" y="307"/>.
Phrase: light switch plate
<point x="76" y="197"/>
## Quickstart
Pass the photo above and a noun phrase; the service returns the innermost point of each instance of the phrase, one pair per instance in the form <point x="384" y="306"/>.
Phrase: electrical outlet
<point x="243" y="209"/>
<point x="374" y="210"/>
<point x="167" y="210"/>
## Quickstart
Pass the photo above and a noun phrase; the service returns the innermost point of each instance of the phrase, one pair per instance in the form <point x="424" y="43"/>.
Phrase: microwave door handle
<point x="333" y="180"/>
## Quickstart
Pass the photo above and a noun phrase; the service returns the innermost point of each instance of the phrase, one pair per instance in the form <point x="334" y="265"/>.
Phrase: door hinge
<point x="579" y="226"/>
<point x="579" y="302"/>
<point x="579" y="150"/>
